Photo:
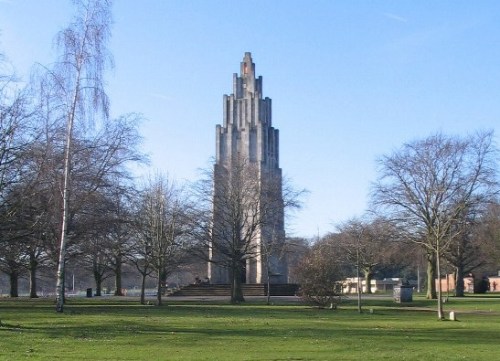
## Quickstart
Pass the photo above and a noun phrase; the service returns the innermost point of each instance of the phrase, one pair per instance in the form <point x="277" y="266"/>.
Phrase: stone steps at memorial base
<point x="225" y="290"/>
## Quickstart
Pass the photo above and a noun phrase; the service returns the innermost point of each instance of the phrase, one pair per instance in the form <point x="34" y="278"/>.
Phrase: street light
<point x="357" y="277"/>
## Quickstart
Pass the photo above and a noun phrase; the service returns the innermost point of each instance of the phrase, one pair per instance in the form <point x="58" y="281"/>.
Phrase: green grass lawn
<point x="111" y="329"/>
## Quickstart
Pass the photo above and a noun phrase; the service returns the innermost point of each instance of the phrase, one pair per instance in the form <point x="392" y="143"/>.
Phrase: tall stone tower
<point x="247" y="136"/>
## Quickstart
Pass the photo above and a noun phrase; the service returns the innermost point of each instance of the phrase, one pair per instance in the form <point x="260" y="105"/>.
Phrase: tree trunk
<point x="60" y="291"/>
<point x="459" y="282"/>
<point x="118" y="277"/>
<point x="236" y="289"/>
<point x="268" y="281"/>
<point x="439" y="288"/>
<point x="159" y="288"/>
<point x="98" y="280"/>
<point x="63" y="296"/>
<point x="143" y="289"/>
<point x="368" y="279"/>
<point x="98" y="284"/>
<point x="431" y="277"/>
<point x="14" y="284"/>
<point x="164" y="277"/>
<point x="268" y="293"/>
<point x="32" y="268"/>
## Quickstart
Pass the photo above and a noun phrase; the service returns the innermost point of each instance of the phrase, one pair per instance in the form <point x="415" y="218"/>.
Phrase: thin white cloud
<point x="158" y="95"/>
<point x="395" y="17"/>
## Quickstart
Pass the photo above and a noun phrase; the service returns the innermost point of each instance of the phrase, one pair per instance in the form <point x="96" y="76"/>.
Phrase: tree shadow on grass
<point x="194" y="325"/>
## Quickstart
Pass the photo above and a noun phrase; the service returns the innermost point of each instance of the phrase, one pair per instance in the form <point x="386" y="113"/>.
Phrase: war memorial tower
<point x="247" y="136"/>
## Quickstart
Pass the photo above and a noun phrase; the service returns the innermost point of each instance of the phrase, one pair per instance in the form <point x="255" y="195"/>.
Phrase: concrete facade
<point x="247" y="133"/>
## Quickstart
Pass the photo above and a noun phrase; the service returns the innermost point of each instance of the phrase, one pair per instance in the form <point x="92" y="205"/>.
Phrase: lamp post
<point x="354" y="230"/>
<point x="358" y="283"/>
<point x="357" y="278"/>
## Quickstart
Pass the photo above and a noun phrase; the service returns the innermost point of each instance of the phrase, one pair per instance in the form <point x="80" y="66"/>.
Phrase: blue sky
<point x="350" y="80"/>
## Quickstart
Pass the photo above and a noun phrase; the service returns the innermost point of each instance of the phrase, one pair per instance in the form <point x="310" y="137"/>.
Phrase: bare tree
<point x="321" y="273"/>
<point x="238" y="209"/>
<point x="15" y="117"/>
<point x="467" y="252"/>
<point x="295" y="249"/>
<point x="351" y="237"/>
<point x="101" y="189"/>
<point x="120" y="235"/>
<point x="141" y="257"/>
<point x="96" y="249"/>
<point x="95" y="258"/>
<point x="140" y="253"/>
<point x="77" y="82"/>
<point x="161" y="243"/>
<point x="15" y="135"/>
<point x="24" y="234"/>
<point x="232" y="197"/>
<point x="492" y="229"/>
<point x="427" y="187"/>
<point x="487" y="233"/>
<point x="365" y="244"/>
<point x="11" y="260"/>
<point x="273" y="249"/>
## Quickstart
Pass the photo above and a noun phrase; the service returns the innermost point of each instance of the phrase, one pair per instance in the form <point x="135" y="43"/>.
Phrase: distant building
<point x="470" y="283"/>
<point x="247" y="133"/>
<point x="350" y="285"/>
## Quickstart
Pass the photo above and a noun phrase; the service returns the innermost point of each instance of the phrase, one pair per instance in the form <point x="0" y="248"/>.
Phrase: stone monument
<point x="247" y="133"/>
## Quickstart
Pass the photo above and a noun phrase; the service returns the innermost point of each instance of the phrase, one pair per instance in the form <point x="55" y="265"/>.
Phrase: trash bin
<point x="89" y="292"/>
<point x="403" y="293"/>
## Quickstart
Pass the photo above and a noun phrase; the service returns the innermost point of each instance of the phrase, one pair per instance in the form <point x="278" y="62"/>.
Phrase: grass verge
<point x="123" y="330"/>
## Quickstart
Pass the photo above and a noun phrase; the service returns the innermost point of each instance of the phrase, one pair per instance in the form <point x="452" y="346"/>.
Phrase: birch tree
<point x="77" y="81"/>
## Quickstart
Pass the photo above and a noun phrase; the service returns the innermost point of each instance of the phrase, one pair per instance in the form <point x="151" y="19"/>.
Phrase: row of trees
<point x="66" y="189"/>
<point x="437" y="197"/>
<point x="67" y="195"/>
<point x="360" y="248"/>
<point x="65" y="161"/>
